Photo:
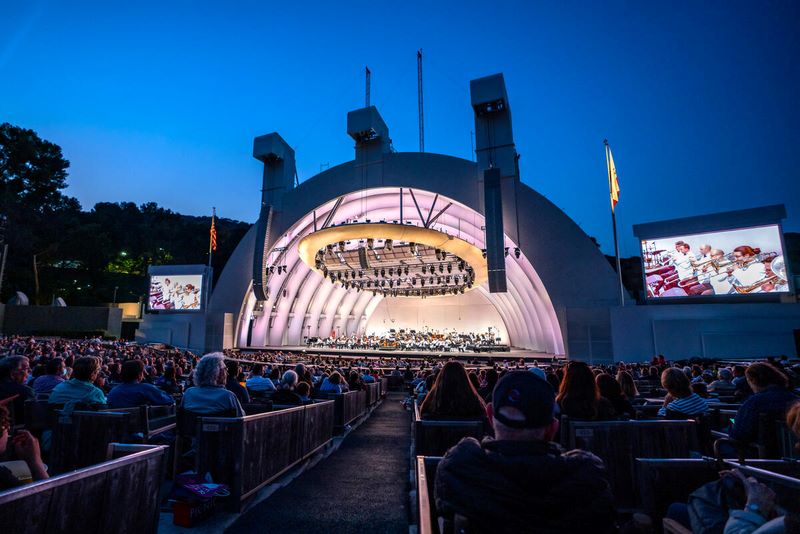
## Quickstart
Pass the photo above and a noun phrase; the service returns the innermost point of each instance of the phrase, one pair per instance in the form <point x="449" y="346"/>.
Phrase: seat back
<point x="432" y="437"/>
<point x="426" y="503"/>
<point x="619" y="443"/>
<point x="81" y="438"/>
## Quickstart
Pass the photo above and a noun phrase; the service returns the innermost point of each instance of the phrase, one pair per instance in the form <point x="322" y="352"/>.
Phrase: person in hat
<point x="520" y="481"/>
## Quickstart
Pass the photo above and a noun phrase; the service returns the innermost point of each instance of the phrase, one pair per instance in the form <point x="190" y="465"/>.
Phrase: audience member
<point x="286" y="391"/>
<point x="13" y="376"/>
<point x="723" y="385"/>
<point x="80" y="389"/>
<point x="770" y="398"/>
<point x="610" y="390"/>
<point x="579" y="397"/>
<point x="520" y="481"/>
<point x="452" y="396"/>
<point x="232" y="382"/>
<point x="257" y="382"/>
<point x="53" y="376"/>
<point x="680" y="400"/>
<point x="134" y="392"/>
<point x="209" y="396"/>
<point x="25" y="448"/>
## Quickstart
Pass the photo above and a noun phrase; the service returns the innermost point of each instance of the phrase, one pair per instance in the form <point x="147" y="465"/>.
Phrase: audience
<point x="54" y="375"/>
<point x="232" y="382"/>
<point x="520" y="481"/>
<point x="257" y="382"/>
<point x="610" y="390"/>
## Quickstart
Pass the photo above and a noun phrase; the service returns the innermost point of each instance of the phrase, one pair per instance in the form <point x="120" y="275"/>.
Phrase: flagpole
<point x="210" y="240"/>
<point x="614" y="226"/>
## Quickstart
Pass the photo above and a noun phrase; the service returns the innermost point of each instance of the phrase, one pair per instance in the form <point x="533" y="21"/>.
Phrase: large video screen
<point x="179" y="292"/>
<point x="745" y="261"/>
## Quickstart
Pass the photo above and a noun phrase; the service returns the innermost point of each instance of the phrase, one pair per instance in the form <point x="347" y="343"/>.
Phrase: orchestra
<point x="407" y="340"/>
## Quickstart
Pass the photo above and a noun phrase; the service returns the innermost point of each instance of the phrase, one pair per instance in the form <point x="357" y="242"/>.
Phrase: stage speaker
<point x="495" y="246"/>
<point x="362" y="258"/>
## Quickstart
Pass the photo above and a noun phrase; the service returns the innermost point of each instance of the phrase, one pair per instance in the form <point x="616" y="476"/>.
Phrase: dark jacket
<point x="773" y="402"/>
<point x="237" y="389"/>
<point x="516" y="486"/>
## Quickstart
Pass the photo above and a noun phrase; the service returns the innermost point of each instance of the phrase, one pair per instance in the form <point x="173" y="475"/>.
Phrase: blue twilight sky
<point x="160" y="101"/>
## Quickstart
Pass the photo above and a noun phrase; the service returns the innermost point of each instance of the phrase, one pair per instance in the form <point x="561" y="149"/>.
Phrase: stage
<point x="511" y="355"/>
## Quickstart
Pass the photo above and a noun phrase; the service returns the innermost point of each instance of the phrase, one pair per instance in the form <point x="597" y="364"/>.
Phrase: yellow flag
<point x="613" y="181"/>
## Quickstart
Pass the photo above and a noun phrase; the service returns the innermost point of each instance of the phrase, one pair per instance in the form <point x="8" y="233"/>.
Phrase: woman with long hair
<point x="579" y="397"/>
<point x="453" y="395"/>
<point x="628" y="386"/>
<point x="610" y="389"/>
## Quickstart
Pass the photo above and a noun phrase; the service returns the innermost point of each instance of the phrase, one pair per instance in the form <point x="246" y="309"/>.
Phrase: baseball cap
<point x="527" y="393"/>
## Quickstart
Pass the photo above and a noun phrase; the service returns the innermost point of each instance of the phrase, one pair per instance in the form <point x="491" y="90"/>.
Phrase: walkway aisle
<point x="360" y="488"/>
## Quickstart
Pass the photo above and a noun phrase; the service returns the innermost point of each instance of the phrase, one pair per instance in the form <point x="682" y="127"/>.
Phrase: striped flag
<point x="213" y="231"/>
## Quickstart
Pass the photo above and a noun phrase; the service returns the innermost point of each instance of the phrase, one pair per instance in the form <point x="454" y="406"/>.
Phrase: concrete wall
<point x="706" y="330"/>
<point x="51" y="319"/>
<point x="183" y="330"/>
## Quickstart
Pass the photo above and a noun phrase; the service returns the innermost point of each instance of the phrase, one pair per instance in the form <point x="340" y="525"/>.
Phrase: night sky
<point x="160" y="102"/>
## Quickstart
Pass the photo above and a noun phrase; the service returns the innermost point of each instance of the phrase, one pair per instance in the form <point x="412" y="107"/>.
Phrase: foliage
<point x="82" y="256"/>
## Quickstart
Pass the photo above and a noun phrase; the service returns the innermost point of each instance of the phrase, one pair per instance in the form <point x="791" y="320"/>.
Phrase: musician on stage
<point x="747" y="268"/>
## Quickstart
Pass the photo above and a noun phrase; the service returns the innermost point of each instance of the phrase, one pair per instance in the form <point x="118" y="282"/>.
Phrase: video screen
<point x="746" y="261"/>
<point x="182" y="292"/>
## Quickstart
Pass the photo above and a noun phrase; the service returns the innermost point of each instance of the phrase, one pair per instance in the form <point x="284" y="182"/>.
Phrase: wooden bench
<point x="147" y="421"/>
<point x="81" y="439"/>
<point x="619" y="443"/>
<point x="373" y="393"/>
<point x="432" y="437"/>
<point x="249" y="452"/>
<point x="118" y="495"/>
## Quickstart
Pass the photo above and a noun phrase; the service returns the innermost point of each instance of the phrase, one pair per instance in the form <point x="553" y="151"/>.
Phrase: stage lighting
<point x="505" y="252"/>
<point x="517" y="252"/>
<point x="483" y="252"/>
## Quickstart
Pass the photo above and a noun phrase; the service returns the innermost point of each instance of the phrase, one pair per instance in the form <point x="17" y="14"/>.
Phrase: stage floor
<point x="513" y="354"/>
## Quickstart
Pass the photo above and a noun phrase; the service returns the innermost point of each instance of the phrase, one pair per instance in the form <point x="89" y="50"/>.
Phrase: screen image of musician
<point x="176" y="292"/>
<point x="744" y="261"/>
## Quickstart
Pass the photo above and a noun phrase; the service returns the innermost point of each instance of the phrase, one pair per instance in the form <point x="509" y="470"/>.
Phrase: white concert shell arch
<point x="559" y="266"/>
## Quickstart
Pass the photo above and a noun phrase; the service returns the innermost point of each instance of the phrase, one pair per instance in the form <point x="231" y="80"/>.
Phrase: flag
<point x="613" y="181"/>
<point x="213" y="234"/>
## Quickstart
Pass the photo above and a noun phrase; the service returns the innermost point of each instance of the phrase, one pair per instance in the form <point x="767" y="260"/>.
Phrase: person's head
<point x="717" y="254"/>
<point x="738" y="370"/>
<point x="627" y="384"/>
<point x="233" y="368"/>
<point x="725" y="374"/>
<point x="453" y="393"/>
<point x="704" y="248"/>
<point x="132" y="371"/>
<point x="675" y="382"/>
<point x="303" y="389"/>
<point x="761" y="375"/>
<point x="522" y="408"/>
<point x="300" y="369"/>
<point x="701" y="388"/>
<point x="55" y="367"/>
<point x="745" y="252"/>
<point x="86" y="368"/>
<point x="335" y="378"/>
<point x="578" y="382"/>
<point x="653" y="371"/>
<point x="15" y="368"/>
<point x="289" y="380"/>
<point x="491" y="376"/>
<point x="211" y="370"/>
<point x="682" y="247"/>
<point x="608" y="386"/>
<point x="257" y="370"/>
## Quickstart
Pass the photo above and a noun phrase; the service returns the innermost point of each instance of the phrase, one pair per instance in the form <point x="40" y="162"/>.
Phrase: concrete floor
<point x="361" y="488"/>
